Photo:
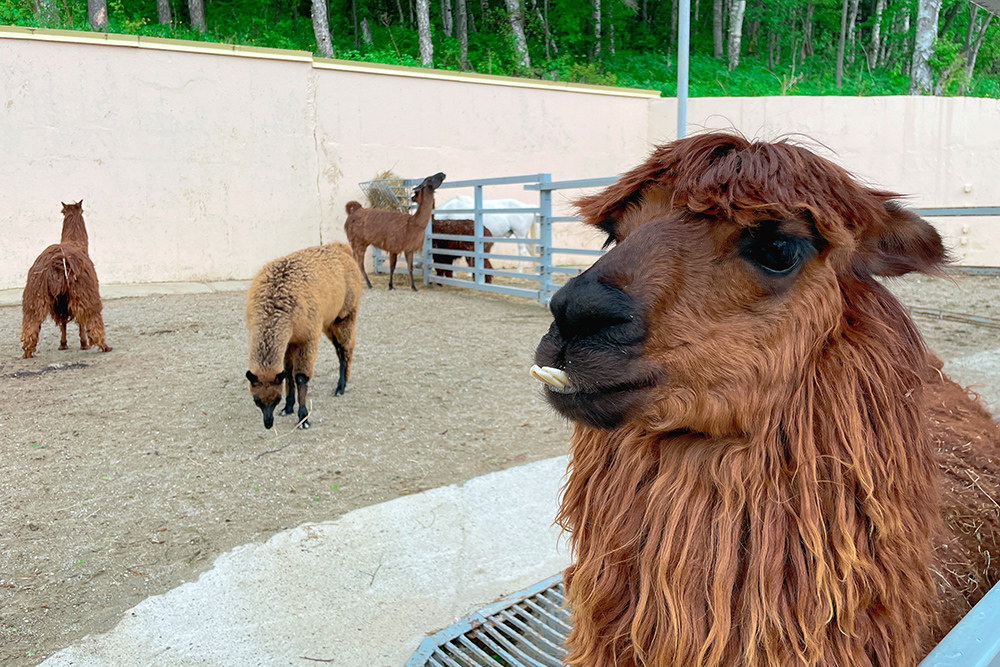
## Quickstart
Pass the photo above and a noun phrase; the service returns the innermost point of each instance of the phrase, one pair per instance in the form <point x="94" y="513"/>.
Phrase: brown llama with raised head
<point x="458" y="228"/>
<point x="62" y="283"/>
<point x="392" y="231"/>
<point x="768" y="467"/>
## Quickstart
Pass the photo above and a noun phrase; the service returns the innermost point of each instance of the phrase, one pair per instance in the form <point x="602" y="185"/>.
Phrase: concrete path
<point x="361" y="591"/>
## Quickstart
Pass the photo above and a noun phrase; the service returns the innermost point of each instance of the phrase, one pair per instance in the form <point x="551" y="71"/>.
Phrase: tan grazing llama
<point x="768" y="467"/>
<point x="392" y="231"/>
<point x="62" y="283"/>
<point x="291" y="303"/>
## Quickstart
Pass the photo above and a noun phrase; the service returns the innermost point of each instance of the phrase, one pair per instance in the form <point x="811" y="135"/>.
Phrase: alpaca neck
<point x="806" y="543"/>
<point x="73" y="230"/>
<point x="422" y="215"/>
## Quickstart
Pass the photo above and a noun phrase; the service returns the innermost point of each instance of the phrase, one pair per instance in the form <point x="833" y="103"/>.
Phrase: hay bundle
<point x="387" y="191"/>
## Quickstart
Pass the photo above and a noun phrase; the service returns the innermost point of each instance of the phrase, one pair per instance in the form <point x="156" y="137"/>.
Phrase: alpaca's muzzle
<point x="555" y="378"/>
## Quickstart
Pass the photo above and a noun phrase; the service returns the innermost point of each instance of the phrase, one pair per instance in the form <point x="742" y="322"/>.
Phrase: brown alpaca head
<point x="266" y="389"/>
<point x="727" y="275"/>
<point x="424" y="191"/>
<point x="73" y="230"/>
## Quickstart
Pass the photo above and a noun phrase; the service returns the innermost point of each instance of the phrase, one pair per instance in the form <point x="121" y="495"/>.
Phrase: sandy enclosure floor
<point x="123" y="475"/>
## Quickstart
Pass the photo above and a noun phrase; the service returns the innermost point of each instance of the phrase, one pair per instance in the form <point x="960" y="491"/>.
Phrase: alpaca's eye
<point x="608" y="227"/>
<point x="775" y="253"/>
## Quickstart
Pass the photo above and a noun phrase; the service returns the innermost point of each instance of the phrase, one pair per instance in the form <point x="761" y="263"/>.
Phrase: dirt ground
<point x="123" y="475"/>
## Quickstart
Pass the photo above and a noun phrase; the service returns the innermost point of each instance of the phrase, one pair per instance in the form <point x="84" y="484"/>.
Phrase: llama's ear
<point x="253" y="379"/>
<point x="280" y="377"/>
<point x="906" y="243"/>
<point x="608" y="206"/>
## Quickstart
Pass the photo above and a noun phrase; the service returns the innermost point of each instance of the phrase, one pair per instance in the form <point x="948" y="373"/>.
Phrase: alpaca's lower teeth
<point x="556" y="378"/>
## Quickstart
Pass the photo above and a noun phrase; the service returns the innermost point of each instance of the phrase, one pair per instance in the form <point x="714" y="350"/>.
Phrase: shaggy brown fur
<point x="392" y="231"/>
<point x="764" y="450"/>
<point x="62" y="283"/>
<point x="458" y="228"/>
<point x="291" y="301"/>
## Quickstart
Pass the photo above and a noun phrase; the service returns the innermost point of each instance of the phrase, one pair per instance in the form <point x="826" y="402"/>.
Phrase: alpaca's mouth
<point x="556" y="379"/>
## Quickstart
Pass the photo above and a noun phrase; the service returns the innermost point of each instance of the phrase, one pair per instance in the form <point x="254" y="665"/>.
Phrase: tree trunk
<point x="921" y="77"/>
<point x="673" y="25"/>
<point x="973" y="51"/>
<point x="399" y="6"/>
<point x="97" y="11"/>
<point x="543" y="19"/>
<point x="852" y="23"/>
<point x="366" y="33"/>
<point x="197" y="10"/>
<point x="446" y="18"/>
<point x="462" y="28"/>
<point x="735" y="32"/>
<point x="717" y="29"/>
<point x="876" y="41"/>
<point x="773" y="49"/>
<point x="807" y="31"/>
<point x="595" y="16"/>
<point x="515" y="17"/>
<point x="840" y="43"/>
<point x="354" y="22"/>
<point x="163" y="12"/>
<point x="424" y="33"/>
<point x="321" y="28"/>
<point x="48" y="13"/>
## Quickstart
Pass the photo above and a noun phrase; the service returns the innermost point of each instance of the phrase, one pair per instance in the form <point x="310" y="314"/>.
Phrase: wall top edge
<point x="472" y="77"/>
<point x="188" y="46"/>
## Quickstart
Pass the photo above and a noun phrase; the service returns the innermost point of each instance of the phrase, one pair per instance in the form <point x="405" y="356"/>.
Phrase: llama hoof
<point x="82" y="347"/>
<point x="106" y="348"/>
<point x="28" y="355"/>
<point x="66" y="347"/>
<point x="339" y="391"/>
<point x="287" y="410"/>
<point x="305" y="424"/>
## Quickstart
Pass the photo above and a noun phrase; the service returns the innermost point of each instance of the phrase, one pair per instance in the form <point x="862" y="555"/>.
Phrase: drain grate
<point x="527" y="628"/>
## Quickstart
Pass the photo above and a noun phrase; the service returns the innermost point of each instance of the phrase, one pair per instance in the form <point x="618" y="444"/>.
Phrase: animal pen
<point x="546" y="274"/>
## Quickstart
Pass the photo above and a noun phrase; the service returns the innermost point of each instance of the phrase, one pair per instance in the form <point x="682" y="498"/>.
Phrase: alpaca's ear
<point x="253" y="379"/>
<point x="609" y="205"/>
<point x="907" y="243"/>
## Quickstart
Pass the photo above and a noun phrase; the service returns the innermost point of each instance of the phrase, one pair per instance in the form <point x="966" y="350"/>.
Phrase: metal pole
<point x="545" y="242"/>
<point x="683" y="44"/>
<point x="477" y="226"/>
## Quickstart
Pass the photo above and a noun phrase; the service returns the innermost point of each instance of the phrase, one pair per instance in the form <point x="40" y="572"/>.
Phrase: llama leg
<point x="409" y="266"/>
<point x="359" y="257"/>
<point x="62" y="334"/>
<point x="91" y="328"/>
<point x="289" y="383"/>
<point x="392" y="267"/>
<point x="303" y="359"/>
<point x="31" y="324"/>
<point x="341" y="334"/>
<point x="487" y="265"/>
<point x="84" y="340"/>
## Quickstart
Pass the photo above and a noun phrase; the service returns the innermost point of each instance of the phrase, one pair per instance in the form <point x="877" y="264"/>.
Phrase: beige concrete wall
<point x="201" y="162"/>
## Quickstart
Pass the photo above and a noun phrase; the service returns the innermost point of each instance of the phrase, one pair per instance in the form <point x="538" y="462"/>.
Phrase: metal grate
<point x="528" y="628"/>
<point x="387" y="193"/>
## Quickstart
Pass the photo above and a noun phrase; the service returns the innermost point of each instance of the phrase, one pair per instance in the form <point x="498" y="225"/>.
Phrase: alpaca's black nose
<point x="585" y="306"/>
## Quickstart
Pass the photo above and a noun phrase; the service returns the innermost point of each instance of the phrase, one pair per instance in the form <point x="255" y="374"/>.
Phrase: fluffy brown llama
<point x="291" y="302"/>
<point x="768" y="467"/>
<point x="62" y="283"/>
<point x="392" y="231"/>
<point x="458" y="228"/>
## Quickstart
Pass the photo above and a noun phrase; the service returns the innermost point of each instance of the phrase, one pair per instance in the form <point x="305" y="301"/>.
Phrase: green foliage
<point x="789" y="47"/>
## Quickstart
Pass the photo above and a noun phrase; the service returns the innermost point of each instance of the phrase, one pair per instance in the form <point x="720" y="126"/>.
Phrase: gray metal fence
<point x="542" y="281"/>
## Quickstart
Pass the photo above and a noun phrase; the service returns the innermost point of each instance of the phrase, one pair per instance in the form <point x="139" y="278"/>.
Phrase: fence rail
<point x="541" y="265"/>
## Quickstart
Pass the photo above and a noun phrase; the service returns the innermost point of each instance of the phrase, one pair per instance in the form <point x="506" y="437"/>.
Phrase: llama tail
<point x="352" y="206"/>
